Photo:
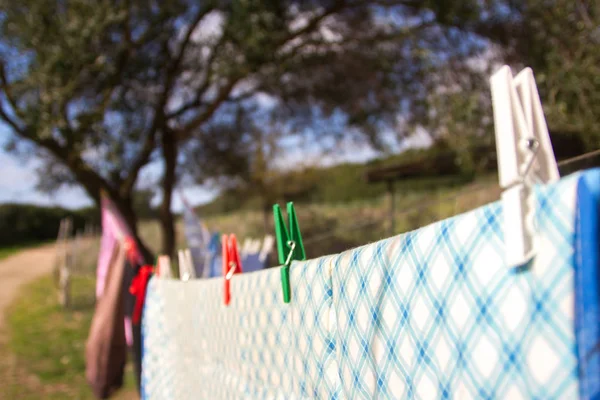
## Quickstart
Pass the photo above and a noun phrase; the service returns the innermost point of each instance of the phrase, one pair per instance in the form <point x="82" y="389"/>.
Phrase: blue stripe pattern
<point x="587" y="293"/>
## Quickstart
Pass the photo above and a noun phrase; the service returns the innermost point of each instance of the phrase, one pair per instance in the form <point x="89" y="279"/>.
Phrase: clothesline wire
<point x="580" y="157"/>
<point x="420" y="204"/>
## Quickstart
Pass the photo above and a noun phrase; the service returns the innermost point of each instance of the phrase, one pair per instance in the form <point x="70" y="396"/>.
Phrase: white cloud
<point x="17" y="185"/>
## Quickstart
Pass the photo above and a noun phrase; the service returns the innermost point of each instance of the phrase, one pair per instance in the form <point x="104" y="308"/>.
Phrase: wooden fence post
<point x="64" y="294"/>
<point x="392" y="205"/>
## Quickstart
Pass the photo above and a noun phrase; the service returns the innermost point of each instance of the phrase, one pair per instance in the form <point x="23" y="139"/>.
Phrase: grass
<point x="49" y="341"/>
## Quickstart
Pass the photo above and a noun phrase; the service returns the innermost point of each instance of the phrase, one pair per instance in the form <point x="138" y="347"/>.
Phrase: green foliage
<point x="559" y="40"/>
<point x="24" y="224"/>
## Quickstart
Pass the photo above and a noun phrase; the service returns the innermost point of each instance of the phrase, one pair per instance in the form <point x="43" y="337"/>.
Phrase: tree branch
<point x="225" y="91"/>
<point x="91" y="181"/>
<point x="159" y="118"/>
<point x="188" y="36"/>
<point x="7" y="90"/>
<point x="139" y="162"/>
<point x="197" y="101"/>
<point x="4" y="116"/>
<point x="222" y="95"/>
<point x="311" y="25"/>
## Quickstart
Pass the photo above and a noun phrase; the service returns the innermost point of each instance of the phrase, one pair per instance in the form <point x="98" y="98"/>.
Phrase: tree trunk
<point x="169" y="148"/>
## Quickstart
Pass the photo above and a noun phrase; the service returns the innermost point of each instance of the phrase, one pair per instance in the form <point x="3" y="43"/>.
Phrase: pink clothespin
<point x="231" y="263"/>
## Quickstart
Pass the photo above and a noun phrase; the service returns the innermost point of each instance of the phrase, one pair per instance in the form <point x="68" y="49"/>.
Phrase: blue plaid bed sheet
<point x="430" y="314"/>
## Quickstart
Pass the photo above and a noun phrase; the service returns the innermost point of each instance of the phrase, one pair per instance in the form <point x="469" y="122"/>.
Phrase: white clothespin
<point x="246" y="247"/>
<point x="525" y="157"/>
<point x="189" y="263"/>
<point x="164" y="267"/>
<point x="254" y="246"/>
<point x="267" y="247"/>
<point x="182" y="269"/>
<point x="186" y="269"/>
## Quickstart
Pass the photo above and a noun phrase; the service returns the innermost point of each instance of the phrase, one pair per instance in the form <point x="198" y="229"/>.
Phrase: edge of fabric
<point x="587" y="290"/>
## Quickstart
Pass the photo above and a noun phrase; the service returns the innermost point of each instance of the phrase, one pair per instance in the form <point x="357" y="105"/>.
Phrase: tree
<point x="102" y="89"/>
<point x="558" y="39"/>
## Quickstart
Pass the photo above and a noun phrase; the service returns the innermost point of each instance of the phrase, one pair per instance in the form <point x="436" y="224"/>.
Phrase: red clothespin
<point x="231" y="263"/>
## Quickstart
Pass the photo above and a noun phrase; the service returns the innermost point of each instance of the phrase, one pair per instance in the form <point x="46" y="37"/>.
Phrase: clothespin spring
<point x="292" y="246"/>
<point x="285" y="273"/>
<point x="231" y="272"/>
<point x="533" y="145"/>
<point x="231" y="264"/>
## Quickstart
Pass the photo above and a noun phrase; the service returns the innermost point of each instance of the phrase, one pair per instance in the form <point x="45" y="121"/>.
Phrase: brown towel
<point x="106" y="348"/>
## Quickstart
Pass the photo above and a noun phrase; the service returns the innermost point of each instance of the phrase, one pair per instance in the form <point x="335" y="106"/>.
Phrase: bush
<point x="22" y="223"/>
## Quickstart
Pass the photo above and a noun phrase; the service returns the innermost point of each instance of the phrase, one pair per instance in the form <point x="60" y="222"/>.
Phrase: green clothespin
<point x="289" y="245"/>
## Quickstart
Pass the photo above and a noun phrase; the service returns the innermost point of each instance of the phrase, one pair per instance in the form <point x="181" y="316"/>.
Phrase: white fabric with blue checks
<point x="195" y="347"/>
<point x="431" y="314"/>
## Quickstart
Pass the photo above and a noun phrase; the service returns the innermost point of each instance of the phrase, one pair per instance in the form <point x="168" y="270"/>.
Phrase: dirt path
<point x="15" y="381"/>
<point x="19" y="269"/>
<point x="16" y="271"/>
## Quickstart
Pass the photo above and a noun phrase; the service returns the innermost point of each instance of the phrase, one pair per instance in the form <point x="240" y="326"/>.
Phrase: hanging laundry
<point x="114" y="229"/>
<point x="106" y="347"/>
<point x="198" y="238"/>
<point x="434" y="313"/>
<point x="115" y="233"/>
<point x="256" y="358"/>
<point x="442" y="314"/>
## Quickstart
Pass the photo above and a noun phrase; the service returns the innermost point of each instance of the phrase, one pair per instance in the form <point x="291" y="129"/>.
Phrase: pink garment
<point x="114" y="230"/>
<point x="128" y="331"/>
<point x="107" y="244"/>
